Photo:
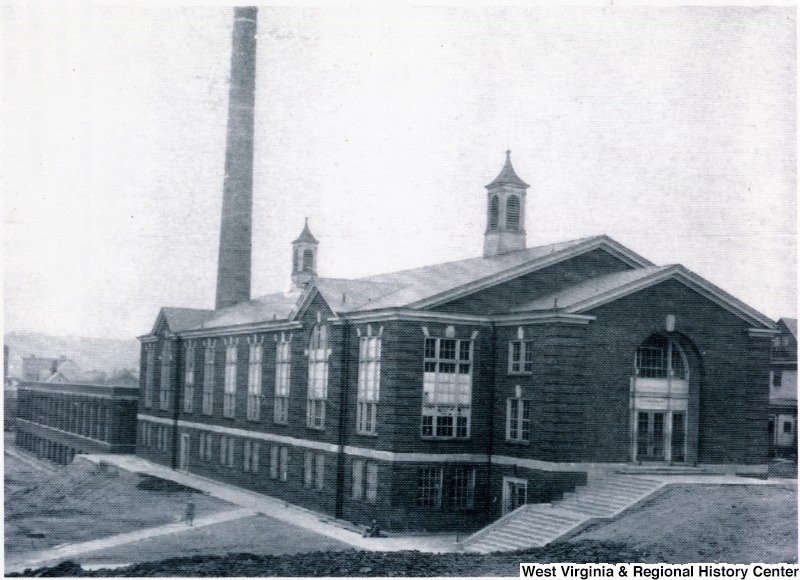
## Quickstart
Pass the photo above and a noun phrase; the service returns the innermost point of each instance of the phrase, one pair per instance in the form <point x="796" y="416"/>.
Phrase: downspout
<point x="492" y="391"/>
<point x="177" y="372"/>
<point x="343" y="410"/>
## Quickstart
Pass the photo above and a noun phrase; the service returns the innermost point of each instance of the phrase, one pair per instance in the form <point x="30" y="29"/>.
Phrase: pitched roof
<point x="180" y="319"/>
<point x="507" y="175"/>
<point x="791" y="325"/>
<point x="277" y="306"/>
<point x="591" y="288"/>
<point x="306" y="235"/>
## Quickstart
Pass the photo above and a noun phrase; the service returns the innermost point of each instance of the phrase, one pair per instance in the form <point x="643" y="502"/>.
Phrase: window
<point x="317" y="377"/>
<point x="319" y="473"/>
<point x="229" y="396"/>
<point x="284" y="466"/>
<point x="659" y="357"/>
<point x="358" y="479"/>
<point x="308" y="260"/>
<point x="787" y="427"/>
<point x="518" y="420"/>
<point x="250" y="456"/>
<point x="208" y="378"/>
<point x="447" y="388"/>
<point x="369" y="379"/>
<point x="149" y="374"/>
<point x="273" y="462"/>
<point x="283" y="355"/>
<point x="188" y="380"/>
<point x="165" y="398"/>
<point x="226" y="450"/>
<point x="520" y="357"/>
<point x="254" y="383"/>
<point x="463" y="496"/>
<point x="308" y="472"/>
<point x="494" y="212"/>
<point x="429" y="487"/>
<point x="372" y="482"/>
<point x="777" y="379"/>
<point x="512" y="213"/>
<point x="162" y="442"/>
<point x="147" y="434"/>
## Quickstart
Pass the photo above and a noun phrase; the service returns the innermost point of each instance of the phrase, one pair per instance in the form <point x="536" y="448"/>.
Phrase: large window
<point x="229" y="396"/>
<point x="360" y="490"/>
<point x="208" y="378"/>
<point x="204" y="449"/>
<point x="358" y="479"/>
<point x="429" y="487"/>
<point x="283" y="366"/>
<point x="254" y="382"/>
<point x="226" y="450"/>
<point x="659" y="357"/>
<point x="447" y="388"/>
<point x="369" y="382"/>
<point x="518" y="420"/>
<point x="308" y="469"/>
<point x="317" y="377"/>
<point x="372" y="482"/>
<point x="165" y="397"/>
<point x="284" y="463"/>
<point x="319" y="472"/>
<point x="250" y="456"/>
<point x="463" y="494"/>
<point x="273" y="462"/>
<point x="188" y="379"/>
<point x="520" y="357"/>
<point x="149" y="374"/>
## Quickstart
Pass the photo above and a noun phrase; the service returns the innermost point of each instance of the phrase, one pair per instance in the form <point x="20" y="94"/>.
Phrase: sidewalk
<point x="279" y="509"/>
<point x="58" y="554"/>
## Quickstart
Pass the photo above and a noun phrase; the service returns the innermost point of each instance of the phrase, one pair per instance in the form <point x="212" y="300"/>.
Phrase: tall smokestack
<point x="233" y="272"/>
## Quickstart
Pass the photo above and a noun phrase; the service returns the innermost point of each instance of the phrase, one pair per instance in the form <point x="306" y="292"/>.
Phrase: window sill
<point x="315" y="428"/>
<point x="360" y="434"/>
<point x="281" y="423"/>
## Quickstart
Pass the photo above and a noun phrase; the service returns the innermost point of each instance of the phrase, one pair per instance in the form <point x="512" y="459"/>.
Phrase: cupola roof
<point x="306" y="235"/>
<point x="507" y="175"/>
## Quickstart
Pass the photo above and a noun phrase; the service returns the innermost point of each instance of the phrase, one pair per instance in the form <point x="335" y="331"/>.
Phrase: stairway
<point x="534" y="525"/>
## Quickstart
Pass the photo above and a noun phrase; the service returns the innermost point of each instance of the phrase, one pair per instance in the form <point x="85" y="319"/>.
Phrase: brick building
<point x="58" y="421"/>
<point x="783" y="390"/>
<point x="443" y="396"/>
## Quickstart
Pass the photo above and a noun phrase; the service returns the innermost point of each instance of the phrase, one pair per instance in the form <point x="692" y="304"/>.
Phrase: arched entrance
<point x="659" y="401"/>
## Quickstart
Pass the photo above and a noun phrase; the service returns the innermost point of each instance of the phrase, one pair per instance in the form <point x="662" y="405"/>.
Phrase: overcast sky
<point x="672" y="130"/>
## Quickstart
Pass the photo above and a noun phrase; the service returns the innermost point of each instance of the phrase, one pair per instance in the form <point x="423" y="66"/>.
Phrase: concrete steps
<point x="535" y="525"/>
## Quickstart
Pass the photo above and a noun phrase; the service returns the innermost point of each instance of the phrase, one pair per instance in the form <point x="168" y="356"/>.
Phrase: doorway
<point x="515" y="493"/>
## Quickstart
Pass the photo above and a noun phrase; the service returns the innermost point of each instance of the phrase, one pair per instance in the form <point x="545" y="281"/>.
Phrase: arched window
<point x="660" y="357"/>
<point x="494" y="212"/>
<point x="308" y="261"/>
<point x="512" y="213"/>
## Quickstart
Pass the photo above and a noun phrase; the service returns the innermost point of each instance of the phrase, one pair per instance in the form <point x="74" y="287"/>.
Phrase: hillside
<point x="103" y="354"/>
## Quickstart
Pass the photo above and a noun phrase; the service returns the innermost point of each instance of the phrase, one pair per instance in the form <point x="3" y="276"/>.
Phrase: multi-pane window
<point x="162" y="441"/>
<point x="284" y="463"/>
<point x="369" y="382"/>
<point x="520" y="357"/>
<point x="149" y="374"/>
<point x="165" y="398"/>
<point x="317" y="377"/>
<point x="147" y="434"/>
<point x="660" y="357"/>
<point x="250" y="456"/>
<point x="429" y="487"/>
<point x="358" y="479"/>
<point x="226" y="449"/>
<point x="518" y="420"/>
<point x="463" y="492"/>
<point x="208" y="378"/>
<point x="372" y="482"/>
<point x="229" y="394"/>
<point x="254" y="382"/>
<point x="308" y="471"/>
<point x="273" y="462"/>
<point x="188" y="379"/>
<point x="283" y="365"/>
<point x="447" y="388"/>
<point x="204" y="449"/>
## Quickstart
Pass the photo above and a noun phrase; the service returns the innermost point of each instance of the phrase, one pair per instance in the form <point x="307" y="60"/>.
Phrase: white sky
<point x="672" y="130"/>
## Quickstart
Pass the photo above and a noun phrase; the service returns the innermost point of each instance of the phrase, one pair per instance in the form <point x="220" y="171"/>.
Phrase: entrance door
<point x="184" y="453"/>
<point x="650" y="436"/>
<point x="515" y="493"/>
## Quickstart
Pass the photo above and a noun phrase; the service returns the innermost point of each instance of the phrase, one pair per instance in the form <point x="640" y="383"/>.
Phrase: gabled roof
<point x="595" y="292"/>
<point x="180" y="319"/>
<point x="790" y="324"/>
<point x="507" y="176"/>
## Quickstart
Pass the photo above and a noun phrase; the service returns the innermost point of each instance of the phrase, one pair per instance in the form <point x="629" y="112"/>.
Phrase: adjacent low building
<point x="783" y="391"/>
<point x="56" y="421"/>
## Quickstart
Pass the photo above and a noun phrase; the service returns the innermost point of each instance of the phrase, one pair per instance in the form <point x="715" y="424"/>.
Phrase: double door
<point x="661" y="436"/>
